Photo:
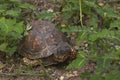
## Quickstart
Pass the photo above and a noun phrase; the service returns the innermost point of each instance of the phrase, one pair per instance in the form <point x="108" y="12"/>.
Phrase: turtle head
<point x="63" y="51"/>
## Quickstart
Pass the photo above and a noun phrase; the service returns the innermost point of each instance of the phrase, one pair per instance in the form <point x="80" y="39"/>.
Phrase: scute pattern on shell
<point x="44" y="40"/>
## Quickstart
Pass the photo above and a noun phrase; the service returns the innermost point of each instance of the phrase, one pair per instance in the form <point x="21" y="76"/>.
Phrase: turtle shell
<point x="44" y="41"/>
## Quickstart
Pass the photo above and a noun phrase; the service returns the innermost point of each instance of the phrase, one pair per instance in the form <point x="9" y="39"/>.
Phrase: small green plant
<point x="12" y="27"/>
<point x="13" y="8"/>
<point x="48" y="15"/>
<point x="99" y="27"/>
<point x="11" y="32"/>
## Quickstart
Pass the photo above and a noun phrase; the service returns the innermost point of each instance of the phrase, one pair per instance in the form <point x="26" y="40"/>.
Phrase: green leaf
<point x="13" y="12"/>
<point x="19" y="28"/>
<point x="1" y="11"/>
<point x="3" y="46"/>
<point x="102" y="34"/>
<point x="11" y="50"/>
<point x="114" y="24"/>
<point x="82" y="37"/>
<point x="94" y="21"/>
<point x="113" y="75"/>
<point x="7" y="25"/>
<point x="67" y="15"/>
<point x="2" y="20"/>
<point x="109" y="12"/>
<point x="26" y="5"/>
<point x="46" y="15"/>
<point x="96" y="77"/>
<point x="15" y="0"/>
<point x="79" y="62"/>
<point x="3" y="6"/>
<point x="114" y="55"/>
<point x="28" y="27"/>
<point x="91" y="4"/>
<point x="10" y="23"/>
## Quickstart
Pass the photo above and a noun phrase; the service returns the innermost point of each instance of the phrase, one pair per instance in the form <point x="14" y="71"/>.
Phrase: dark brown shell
<point x="44" y="40"/>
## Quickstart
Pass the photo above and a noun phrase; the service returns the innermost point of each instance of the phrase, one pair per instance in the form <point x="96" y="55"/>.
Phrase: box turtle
<point x="46" y="43"/>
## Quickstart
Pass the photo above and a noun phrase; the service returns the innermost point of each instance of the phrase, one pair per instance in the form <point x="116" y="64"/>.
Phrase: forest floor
<point x="14" y="68"/>
<point x="17" y="70"/>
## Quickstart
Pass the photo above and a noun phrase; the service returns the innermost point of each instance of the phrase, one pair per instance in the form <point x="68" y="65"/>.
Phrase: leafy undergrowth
<point x="99" y="28"/>
<point x="92" y="26"/>
<point x="12" y="27"/>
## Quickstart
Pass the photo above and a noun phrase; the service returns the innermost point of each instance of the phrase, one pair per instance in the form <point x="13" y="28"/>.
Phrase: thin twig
<point x="80" y="5"/>
<point x="11" y="68"/>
